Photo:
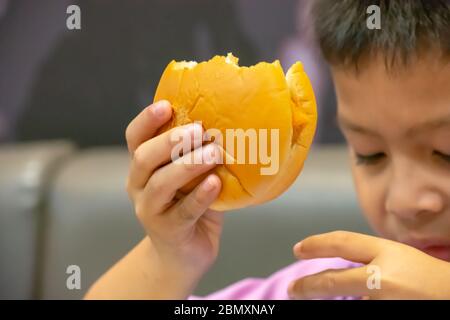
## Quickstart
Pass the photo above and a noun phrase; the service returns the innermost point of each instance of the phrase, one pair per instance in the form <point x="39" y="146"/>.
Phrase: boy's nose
<point x="426" y="204"/>
<point x="411" y="196"/>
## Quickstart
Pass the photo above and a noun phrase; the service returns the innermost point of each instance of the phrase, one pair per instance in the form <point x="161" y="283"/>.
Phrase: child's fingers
<point x="189" y="209"/>
<point x="146" y="124"/>
<point x="330" y="284"/>
<point x="162" y="186"/>
<point x="348" y="245"/>
<point x="176" y="223"/>
<point x="158" y="151"/>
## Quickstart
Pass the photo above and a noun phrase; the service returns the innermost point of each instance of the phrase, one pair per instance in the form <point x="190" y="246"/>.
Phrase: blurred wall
<point x="86" y="85"/>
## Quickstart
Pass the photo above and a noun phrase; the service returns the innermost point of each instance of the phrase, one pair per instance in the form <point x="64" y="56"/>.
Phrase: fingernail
<point x="206" y="136"/>
<point x="197" y="130"/>
<point x="160" y="108"/>
<point x="209" y="184"/>
<point x="298" y="247"/>
<point x="209" y="154"/>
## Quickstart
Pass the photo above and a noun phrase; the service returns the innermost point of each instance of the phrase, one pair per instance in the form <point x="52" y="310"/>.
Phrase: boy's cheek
<point x="370" y="198"/>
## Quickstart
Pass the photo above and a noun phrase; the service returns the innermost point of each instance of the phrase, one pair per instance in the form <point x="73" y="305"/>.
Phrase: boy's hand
<point x="405" y="272"/>
<point x="183" y="232"/>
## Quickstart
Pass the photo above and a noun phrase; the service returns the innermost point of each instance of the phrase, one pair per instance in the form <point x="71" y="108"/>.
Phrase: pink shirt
<point x="275" y="286"/>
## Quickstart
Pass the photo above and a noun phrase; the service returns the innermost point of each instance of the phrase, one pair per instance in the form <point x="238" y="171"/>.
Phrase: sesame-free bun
<point x="223" y="95"/>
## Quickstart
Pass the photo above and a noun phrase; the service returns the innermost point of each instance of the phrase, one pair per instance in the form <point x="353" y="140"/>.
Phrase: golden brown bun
<point x="223" y="95"/>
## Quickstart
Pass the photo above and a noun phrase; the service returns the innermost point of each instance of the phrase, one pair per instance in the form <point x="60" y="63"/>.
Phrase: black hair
<point x="408" y="28"/>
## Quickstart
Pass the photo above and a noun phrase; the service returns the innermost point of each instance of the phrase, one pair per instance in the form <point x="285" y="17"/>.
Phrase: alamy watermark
<point x="249" y="146"/>
<point x="73" y="21"/>
<point x="374" y="280"/>
<point x="373" y="21"/>
<point x="73" y="281"/>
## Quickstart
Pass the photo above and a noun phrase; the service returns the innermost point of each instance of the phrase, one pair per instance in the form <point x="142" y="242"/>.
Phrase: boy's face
<point x="398" y="131"/>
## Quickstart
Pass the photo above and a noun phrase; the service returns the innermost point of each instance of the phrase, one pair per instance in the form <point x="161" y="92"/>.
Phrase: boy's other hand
<point x="391" y="270"/>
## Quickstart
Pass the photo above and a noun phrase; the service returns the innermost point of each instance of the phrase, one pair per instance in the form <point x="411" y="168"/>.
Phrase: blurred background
<point x="66" y="97"/>
<point x="85" y="85"/>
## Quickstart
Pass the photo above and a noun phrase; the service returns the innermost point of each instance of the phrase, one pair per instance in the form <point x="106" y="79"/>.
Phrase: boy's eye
<point x="369" y="159"/>
<point x="445" y="157"/>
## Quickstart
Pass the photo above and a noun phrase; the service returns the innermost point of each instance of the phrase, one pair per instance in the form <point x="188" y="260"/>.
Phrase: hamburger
<point x="260" y="106"/>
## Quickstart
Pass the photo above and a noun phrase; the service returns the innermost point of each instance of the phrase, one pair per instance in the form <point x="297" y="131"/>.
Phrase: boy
<point x="393" y="92"/>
